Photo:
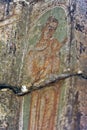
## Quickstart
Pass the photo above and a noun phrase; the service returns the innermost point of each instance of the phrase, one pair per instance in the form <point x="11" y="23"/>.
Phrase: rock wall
<point x="12" y="51"/>
<point x="38" y="39"/>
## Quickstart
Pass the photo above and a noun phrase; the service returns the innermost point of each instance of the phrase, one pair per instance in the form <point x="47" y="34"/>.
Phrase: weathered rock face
<point x="38" y="39"/>
<point x="9" y="51"/>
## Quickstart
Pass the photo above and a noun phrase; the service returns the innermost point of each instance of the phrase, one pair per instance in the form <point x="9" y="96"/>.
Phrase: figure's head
<point x="50" y="27"/>
<point x="52" y="23"/>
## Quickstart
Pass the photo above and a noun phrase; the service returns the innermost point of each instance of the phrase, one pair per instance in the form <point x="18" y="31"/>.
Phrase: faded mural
<point x="38" y="39"/>
<point x="48" y="36"/>
<point x="46" y="39"/>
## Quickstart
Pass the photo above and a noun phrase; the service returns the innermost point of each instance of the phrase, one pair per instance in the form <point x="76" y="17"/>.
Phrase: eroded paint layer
<point x="46" y="39"/>
<point x="44" y="106"/>
<point x="26" y="107"/>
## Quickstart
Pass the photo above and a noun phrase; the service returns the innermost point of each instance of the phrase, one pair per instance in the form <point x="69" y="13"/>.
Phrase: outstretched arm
<point x="64" y="41"/>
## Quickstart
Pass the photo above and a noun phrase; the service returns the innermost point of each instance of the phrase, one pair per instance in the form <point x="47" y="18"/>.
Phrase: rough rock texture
<point x="9" y="64"/>
<point x="39" y="38"/>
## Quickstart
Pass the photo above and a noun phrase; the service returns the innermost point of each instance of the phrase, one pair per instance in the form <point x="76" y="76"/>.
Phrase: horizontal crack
<point x="20" y="91"/>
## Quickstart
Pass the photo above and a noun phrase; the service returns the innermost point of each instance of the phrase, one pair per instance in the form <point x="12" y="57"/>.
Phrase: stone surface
<point x="37" y="40"/>
<point x="10" y="63"/>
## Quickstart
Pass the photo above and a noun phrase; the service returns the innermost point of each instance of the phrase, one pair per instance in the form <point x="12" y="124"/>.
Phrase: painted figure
<point x="44" y="60"/>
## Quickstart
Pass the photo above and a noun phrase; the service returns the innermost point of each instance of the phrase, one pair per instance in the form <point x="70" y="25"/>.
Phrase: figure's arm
<point x="57" y="45"/>
<point x="64" y="41"/>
